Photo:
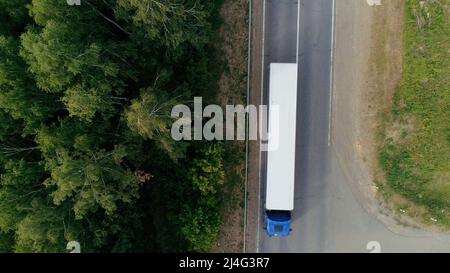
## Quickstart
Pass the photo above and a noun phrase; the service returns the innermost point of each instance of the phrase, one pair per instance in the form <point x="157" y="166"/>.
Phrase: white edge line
<point x="298" y="35"/>
<point x="333" y="37"/>
<point x="262" y="97"/>
<point x="297" y="62"/>
<point x="249" y="59"/>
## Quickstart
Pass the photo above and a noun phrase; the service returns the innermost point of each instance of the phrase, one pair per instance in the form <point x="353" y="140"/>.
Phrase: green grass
<point x="417" y="165"/>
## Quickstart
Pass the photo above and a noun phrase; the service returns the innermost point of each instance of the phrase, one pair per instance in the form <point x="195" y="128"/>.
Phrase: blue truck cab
<point x="278" y="223"/>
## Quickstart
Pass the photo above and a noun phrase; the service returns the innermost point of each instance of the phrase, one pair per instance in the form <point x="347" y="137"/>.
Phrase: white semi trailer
<point x="280" y="175"/>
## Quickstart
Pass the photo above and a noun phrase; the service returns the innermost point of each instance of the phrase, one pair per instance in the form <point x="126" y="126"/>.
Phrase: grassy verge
<point x="233" y="41"/>
<point x="415" y="154"/>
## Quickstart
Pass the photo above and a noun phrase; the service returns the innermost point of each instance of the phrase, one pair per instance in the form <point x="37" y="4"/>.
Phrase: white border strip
<point x="262" y="98"/>
<point x="333" y="38"/>
<point x="249" y="60"/>
<point x="298" y="34"/>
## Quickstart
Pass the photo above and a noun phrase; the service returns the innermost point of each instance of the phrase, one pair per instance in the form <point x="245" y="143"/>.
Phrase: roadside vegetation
<point x="85" y="152"/>
<point x="233" y="42"/>
<point x="415" y="154"/>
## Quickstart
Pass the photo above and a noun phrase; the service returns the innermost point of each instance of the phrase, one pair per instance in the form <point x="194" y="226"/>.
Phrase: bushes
<point x="207" y="172"/>
<point x="200" y="217"/>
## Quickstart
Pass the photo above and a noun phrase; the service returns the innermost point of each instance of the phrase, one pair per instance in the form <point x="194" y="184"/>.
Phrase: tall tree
<point x="149" y="116"/>
<point x="45" y="228"/>
<point x="73" y="55"/>
<point x="173" y="22"/>
<point x="20" y="182"/>
<point x="18" y="93"/>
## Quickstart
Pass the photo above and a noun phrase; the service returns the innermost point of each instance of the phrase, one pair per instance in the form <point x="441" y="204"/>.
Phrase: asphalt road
<point x="328" y="215"/>
<point x="312" y="160"/>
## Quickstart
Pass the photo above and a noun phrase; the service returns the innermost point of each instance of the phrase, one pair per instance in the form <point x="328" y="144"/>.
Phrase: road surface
<point x="329" y="214"/>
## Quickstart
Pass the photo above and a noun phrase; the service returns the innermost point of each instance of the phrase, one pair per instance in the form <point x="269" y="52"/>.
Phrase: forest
<point x="85" y="149"/>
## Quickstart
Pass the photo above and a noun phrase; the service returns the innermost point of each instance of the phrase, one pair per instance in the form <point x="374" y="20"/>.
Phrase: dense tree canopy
<point x="85" y="148"/>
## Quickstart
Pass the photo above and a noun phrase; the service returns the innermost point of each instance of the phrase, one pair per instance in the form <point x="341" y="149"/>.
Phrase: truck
<point x="280" y="156"/>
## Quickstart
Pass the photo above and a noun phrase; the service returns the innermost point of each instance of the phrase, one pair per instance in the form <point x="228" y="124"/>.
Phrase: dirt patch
<point x="233" y="85"/>
<point x="383" y="76"/>
<point x="234" y="44"/>
<point x="400" y="132"/>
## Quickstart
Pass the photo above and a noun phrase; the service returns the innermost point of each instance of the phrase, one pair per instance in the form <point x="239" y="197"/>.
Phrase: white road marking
<point x="333" y="37"/>
<point x="262" y="96"/>
<point x="249" y="54"/>
<point x="298" y="32"/>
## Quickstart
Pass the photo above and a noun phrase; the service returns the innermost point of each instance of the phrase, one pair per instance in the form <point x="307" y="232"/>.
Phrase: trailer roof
<point x="282" y="136"/>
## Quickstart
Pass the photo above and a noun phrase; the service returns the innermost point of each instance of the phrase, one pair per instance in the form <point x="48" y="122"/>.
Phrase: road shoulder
<point x="255" y="85"/>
